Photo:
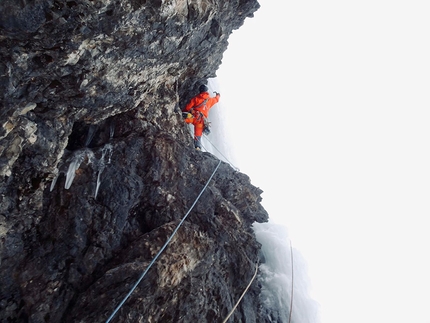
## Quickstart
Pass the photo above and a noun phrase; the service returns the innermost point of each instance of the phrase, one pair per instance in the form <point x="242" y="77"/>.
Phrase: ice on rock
<point x="54" y="181"/>
<point x="91" y="132"/>
<point x="79" y="156"/>
<point x="97" y="184"/>
<point x="111" y="130"/>
<point x="75" y="162"/>
<point x="107" y="151"/>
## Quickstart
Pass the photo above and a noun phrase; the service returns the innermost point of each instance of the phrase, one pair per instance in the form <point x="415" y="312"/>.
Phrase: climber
<point x="197" y="111"/>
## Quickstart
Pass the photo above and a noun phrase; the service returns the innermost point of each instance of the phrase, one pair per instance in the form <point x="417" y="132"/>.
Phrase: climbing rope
<point x="162" y="249"/>
<point x="207" y="138"/>
<point x="243" y="294"/>
<point x="252" y="279"/>
<point x="292" y="281"/>
<point x="225" y="158"/>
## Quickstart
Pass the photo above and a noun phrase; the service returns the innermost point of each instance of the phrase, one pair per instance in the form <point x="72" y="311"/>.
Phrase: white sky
<point x="328" y="111"/>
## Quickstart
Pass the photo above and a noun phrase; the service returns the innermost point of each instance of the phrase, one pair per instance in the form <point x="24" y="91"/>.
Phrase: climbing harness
<point x="243" y="294"/>
<point x="185" y="114"/>
<point x="206" y="126"/>
<point x="162" y="249"/>
<point x="199" y="116"/>
<point x="200" y="105"/>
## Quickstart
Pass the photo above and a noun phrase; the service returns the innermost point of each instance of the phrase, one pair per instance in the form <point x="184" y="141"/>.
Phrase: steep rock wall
<point x="98" y="167"/>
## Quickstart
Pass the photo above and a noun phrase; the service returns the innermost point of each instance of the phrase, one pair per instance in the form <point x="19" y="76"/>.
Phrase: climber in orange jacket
<point x="198" y="111"/>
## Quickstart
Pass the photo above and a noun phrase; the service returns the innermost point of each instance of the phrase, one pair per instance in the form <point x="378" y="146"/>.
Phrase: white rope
<point x="162" y="249"/>
<point x="225" y="158"/>
<point x="243" y="294"/>
<point x="207" y="138"/>
<point x="292" y="281"/>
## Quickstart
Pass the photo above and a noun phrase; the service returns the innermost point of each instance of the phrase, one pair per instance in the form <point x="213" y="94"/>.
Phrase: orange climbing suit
<point x="200" y="111"/>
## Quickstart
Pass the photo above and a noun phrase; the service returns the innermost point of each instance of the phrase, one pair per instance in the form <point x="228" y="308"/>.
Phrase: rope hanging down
<point x="292" y="281"/>
<point x="243" y="294"/>
<point x="252" y="279"/>
<point x="225" y="158"/>
<point x="162" y="249"/>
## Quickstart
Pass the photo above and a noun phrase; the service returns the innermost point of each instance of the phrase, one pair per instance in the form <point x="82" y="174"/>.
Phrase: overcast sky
<point x="328" y="112"/>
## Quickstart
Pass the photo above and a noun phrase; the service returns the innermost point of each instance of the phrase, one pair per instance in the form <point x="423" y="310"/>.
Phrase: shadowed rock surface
<point x="98" y="167"/>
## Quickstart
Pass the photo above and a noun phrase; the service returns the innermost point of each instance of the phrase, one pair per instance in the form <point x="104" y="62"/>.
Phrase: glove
<point x="216" y="93"/>
<point x="189" y="115"/>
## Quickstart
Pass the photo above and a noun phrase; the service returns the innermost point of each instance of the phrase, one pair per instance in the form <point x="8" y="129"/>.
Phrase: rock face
<point x="97" y="166"/>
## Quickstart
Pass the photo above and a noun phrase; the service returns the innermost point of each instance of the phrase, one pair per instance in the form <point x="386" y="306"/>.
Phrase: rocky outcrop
<point x="98" y="167"/>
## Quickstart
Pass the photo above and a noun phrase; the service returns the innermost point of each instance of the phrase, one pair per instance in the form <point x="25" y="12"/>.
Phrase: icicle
<point x="54" y="181"/>
<point x="91" y="132"/>
<point x="107" y="152"/>
<point x="98" y="183"/>
<point x="90" y="155"/>
<point x="71" y="172"/>
<point x="108" y="148"/>
<point x="76" y="160"/>
<point x="111" y="130"/>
